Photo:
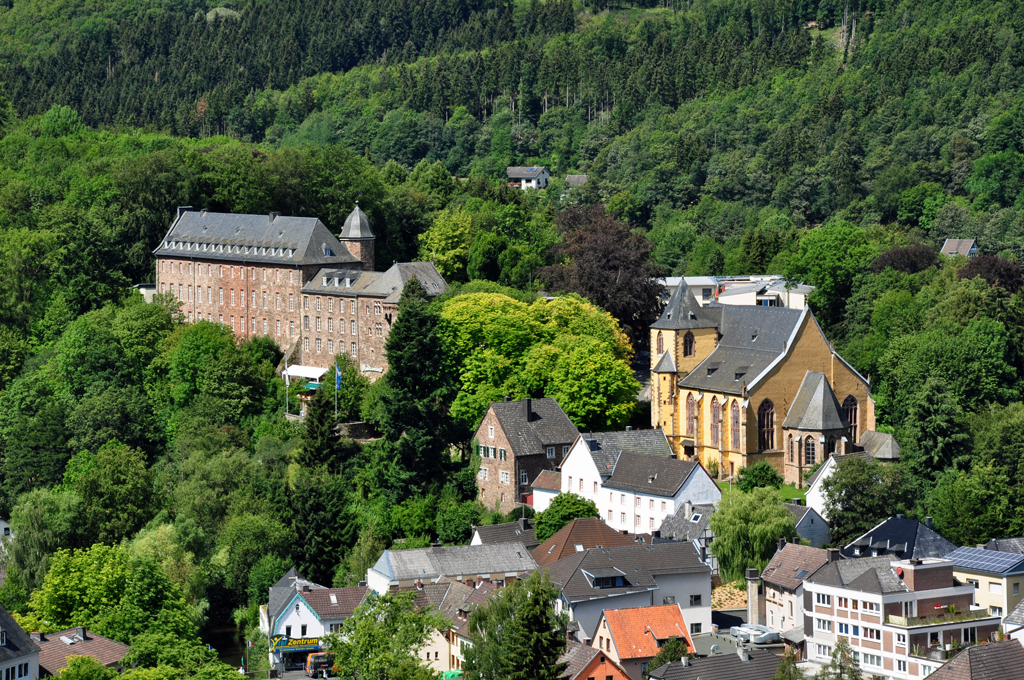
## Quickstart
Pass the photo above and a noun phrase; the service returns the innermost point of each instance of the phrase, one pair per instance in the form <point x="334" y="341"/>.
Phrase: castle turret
<point x="358" y="237"/>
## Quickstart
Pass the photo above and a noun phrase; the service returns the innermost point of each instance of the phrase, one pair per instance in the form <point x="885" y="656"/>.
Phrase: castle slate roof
<point x="760" y="665"/>
<point x="682" y="312"/>
<point x="357" y="225"/>
<point x="530" y="432"/>
<point x="665" y="364"/>
<point x="605" y="447"/>
<point x="815" y="406"/>
<point x="880" y="445"/>
<point x="644" y="473"/>
<point x="1002" y="660"/>
<point x="905" y="538"/>
<point x="789" y="566"/>
<point x="256" y="239"/>
<point x="522" y="531"/>
<point x="19" y="643"/>
<point x="681" y="526"/>
<point x="638" y="564"/>
<point x="387" y="285"/>
<point x="751" y="338"/>
<point x="1014" y="545"/>
<point x="429" y="564"/>
<point x="863" y="574"/>
<point x="577" y="536"/>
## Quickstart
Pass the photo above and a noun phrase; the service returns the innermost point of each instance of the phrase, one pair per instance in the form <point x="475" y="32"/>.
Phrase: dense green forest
<point x="835" y="143"/>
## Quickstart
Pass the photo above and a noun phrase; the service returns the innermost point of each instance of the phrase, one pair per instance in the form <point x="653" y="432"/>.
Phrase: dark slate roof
<point x="761" y="666"/>
<point x="1015" y="545"/>
<point x="455" y="560"/>
<point x="387" y="285"/>
<point x="681" y="525"/>
<point x="550" y="480"/>
<point x="665" y="364"/>
<point x="19" y="643"/>
<point x="905" y="538"/>
<point x="54" y="652"/>
<point x="683" y="312"/>
<point x="282" y="592"/>
<point x="509" y="532"/>
<point x="990" y="561"/>
<point x="357" y="225"/>
<point x="994" y="661"/>
<point x="586" y="533"/>
<point x="520" y="172"/>
<point x="578" y="656"/>
<point x="798" y="511"/>
<point x="253" y="238"/>
<point x="644" y="473"/>
<point x="863" y="574"/>
<point x="880" y="445"/>
<point x="639" y="564"/>
<point x="547" y="425"/>
<point x="815" y="406"/>
<point x="752" y="337"/>
<point x="1016" y="615"/>
<point x="792" y="564"/>
<point x="605" y="447"/>
<point x="345" y="601"/>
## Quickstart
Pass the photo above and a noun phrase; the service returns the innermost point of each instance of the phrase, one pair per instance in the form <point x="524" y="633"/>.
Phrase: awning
<point x="307" y="372"/>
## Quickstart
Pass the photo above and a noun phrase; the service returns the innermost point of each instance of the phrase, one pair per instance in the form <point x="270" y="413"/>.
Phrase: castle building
<point x="734" y="385"/>
<point x="288" y="278"/>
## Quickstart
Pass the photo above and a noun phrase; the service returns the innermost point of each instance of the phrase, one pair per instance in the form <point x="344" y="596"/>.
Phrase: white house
<point x="533" y="177"/>
<point x="545" y="488"/>
<point x="878" y="445"/>
<point x="633" y="479"/>
<point x="19" y="653"/>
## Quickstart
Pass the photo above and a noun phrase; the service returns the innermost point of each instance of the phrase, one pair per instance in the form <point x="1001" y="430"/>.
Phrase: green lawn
<point x="788" y="491"/>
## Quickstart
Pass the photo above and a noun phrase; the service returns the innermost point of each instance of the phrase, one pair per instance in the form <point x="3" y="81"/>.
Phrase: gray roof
<point x="639" y="564"/>
<point x="387" y="285"/>
<point x="665" y="364"/>
<point x="958" y="246"/>
<point x="509" y="532"/>
<point x="905" y="538"/>
<point x="798" y="511"/>
<point x="683" y="312"/>
<point x="815" y="406"/>
<point x="257" y="239"/>
<point x="357" y="226"/>
<point x="1015" y="545"/>
<point x="880" y="445"/>
<point x="761" y="665"/>
<point x="863" y="574"/>
<point x="1016" y="615"/>
<point x="605" y="447"/>
<point x="752" y="337"/>
<point x="547" y="425"/>
<point x="517" y="172"/>
<point x="681" y="525"/>
<point x="993" y="661"/>
<point x="991" y="561"/>
<point x="456" y="560"/>
<point x="645" y="473"/>
<point x="577" y="656"/>
<point x="575" y="180"/>
<point x="282" y="592"/>
<point x="19" y="644"/>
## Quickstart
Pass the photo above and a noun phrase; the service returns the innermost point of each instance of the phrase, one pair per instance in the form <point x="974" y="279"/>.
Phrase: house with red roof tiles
<point x="55" y="648"/>
<point x="632" y="637"/>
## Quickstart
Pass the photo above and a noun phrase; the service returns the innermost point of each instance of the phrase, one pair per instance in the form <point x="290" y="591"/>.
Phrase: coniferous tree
<point x="319" y="441"/>
<point x="842" y="666"/>
<point x="788" y="670"/>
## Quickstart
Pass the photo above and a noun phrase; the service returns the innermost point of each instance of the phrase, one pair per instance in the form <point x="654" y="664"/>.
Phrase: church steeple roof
<point x="357" y="226"/>
<point x="683" y="312"/>
<point x="815" y="406"/>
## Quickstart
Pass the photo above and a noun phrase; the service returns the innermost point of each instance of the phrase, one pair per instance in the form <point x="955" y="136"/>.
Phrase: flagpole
<point x="337" y="377"/>
<point x="286" y="384"/>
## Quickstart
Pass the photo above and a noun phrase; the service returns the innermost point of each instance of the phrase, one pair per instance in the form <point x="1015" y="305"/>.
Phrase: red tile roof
<point x="345" y="601"/>
<point x="589" y="533"/>
<point x="53" y="652"/>
<point x="636" y="632"/>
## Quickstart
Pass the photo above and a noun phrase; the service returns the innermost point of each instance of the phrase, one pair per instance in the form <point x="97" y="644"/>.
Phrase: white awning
<point x="309" y="372"/>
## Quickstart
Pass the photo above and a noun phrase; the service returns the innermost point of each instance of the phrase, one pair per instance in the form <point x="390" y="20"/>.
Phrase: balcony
<point x="938" y="619"/>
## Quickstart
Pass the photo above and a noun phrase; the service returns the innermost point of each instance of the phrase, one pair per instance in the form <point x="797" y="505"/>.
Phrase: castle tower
<point x="358" y="237"/>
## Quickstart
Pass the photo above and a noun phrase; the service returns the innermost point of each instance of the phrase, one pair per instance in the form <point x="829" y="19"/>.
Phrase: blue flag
<point x="337" y="378"/>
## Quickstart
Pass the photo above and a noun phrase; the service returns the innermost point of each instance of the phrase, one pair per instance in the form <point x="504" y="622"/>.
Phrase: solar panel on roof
<point x="986" y="560"/>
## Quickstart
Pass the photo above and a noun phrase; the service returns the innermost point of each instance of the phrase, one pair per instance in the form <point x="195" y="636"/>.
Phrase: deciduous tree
<point x="564" y="508"/>
<point x="747" y="529"/>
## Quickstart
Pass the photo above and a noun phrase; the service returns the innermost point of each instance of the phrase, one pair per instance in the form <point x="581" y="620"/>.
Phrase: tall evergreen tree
<point x="319" y="441"/>
<point x="788" y="670"/>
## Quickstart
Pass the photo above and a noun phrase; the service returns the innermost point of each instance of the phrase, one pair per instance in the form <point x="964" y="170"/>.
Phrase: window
<point x="565" y="449"/>
<point x="716" y="423"/>
<point x="695" y="600"/>
<point x="622" y="499"/>
<point x="330" y="325"/>
<point x="523" y="477"/>
<point x="844" y="628"/>
<point x="232" y="297"/>
<point x="823" y="625"/>
<point x="790" y="446"/>
<point x="823" y="599"/>
<point x="995" y="588"/>
<point x="595" y="487"/>
<point x="330" y="346"/>
<point x="277" y="300"/>
<point x="220" y="318"/>
<point x="1016" y="588"/>
<point x="291" y="328"/>
<point x="609" y="516"/>
<point x="623" y="519"/>
<point x="688" y="349"/>
<point x="354" y="349"/>
<point x="691" y="414"/>
<point x="974" y="582"/>
<point x="318" y="323"/>
<point x="317" y="345"/>
<point x="505" y="477"/>
<point x="901" y="639"/>
<point x="570" y="482"/>
<point x="808" y="450"/>
<point x="996" y="611"/>
<point x="850" y="411"/>
<point x="638" y="520"/>
<point x="871" y="606"/>
<point x="501" y="454"/>
<point x="288" y="631"/>
<point x="766" y="426"/>
<point x="305" y="344"/>
<point x="652" y="523"/>
<point x="901" y="666"/>
<point x="303" y="630"/>
<point x="551" y="452"/>
<point x="824" y="651"/>
<point x="970" y="636"/>
<point x="872" y="634"/>
<point x="735" y="425"/>
<point x="695" y="628"/>
<point x="663" y="506"/>
<point x="843" y="602"/>
<point x="490" y="451"/>
<point x="291" y="302"/>
<point x="305" y="323"/>
<point x="490" y="432"/>
<point x="222" y="296"/>
<point x="318" y="303"/>
<point x="581" y="484"/>
<point x="661" y="343"/>
<point x="638" y="501"/>
<point x="330" y="304"/>
<point x="872" y="660"/>
<point x="652" y="504"/>
<point x="482" y="474"/>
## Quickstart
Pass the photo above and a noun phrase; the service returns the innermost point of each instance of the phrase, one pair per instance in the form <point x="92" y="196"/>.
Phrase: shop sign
<point x="280" y="643"/>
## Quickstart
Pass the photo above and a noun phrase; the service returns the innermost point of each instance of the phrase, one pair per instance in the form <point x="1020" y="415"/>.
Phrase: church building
<point x="735" y="385"/>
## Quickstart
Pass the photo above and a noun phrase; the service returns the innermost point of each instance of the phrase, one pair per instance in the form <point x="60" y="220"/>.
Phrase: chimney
<point x="928" y="522"/>
<point x="703" y="553"/>
<point x="522" y="524"/>
<point x="782" y="543"/>
<point x="687" y="509"/>
<point x="833" y="555"/>
<point x="656" y="533"/>
<point x="507" y="398"/>
<point x="81" y="632"/>
<point x="362" y="584"/>
<point x="528" y="407"/>
<point x="419" y="584"/>
<point x="743" y="654"/>
<point x="629" y="428"/>
<point x="685" y="661"/>
<point x="38" y="637"/>
<point x="182" y="209"/>
<point x="273" y="216"/>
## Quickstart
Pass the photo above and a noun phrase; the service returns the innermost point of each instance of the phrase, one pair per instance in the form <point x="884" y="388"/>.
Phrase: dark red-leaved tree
<point x="996" y="270"/>
<point x="910" y="259"/>
<point x="602" y="260"/>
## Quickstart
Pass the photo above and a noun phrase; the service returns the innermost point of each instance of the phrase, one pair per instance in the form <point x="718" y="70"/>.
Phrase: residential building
<point x="766" y="290"/>
<point x="745" y="664"/>
<point x="902" y="537"/>
<point x="1013" y="624"/>
<point x="692" y="523"/>
<point x="877" y="445"/>
<point x="516" y="441"/>
<point x="994" y="661"/>
<point x="577" y="536"/>
<point x="520" y="531"/>
<point x="633" y="479"/>
<point x="778" y="601"/>
<point x="56" y="647"/>
<point x="546" y="485"/>
<point x="288" y="278"/>
<point x="632" y="637"/>
<point x="899" y="615"/>
<point x="470" y="564"/>
<point x="725" y="377"/>
<point x="633" y="576"/>
<point x="996" y="577"/>
<point x="19" y="654"/>
<point x="810" y="526"/>
<point x="968" y="247"/>
<point x="444" y="650"/>
<point x="1014" y="545"/>
<point x="533" y="177"/>
<point x="584" y="662"/>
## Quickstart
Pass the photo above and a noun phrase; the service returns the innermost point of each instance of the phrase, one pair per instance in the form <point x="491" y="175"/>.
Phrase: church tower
<point x="358" y="237"/>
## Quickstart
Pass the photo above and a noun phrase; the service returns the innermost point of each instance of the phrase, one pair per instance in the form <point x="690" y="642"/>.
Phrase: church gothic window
<point x="808" y="450"/>
<point x="790" y="445"/>
<point x="661" y="343"/>
<point x="691" y="415"/>
<point x="766" y="426"/>
<point x="735" y="425"/>
<point x="831" y="447"/>
<point x="688" y="345"/>
<point x="716" y="423"/>
<point x="850" y="411"/>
